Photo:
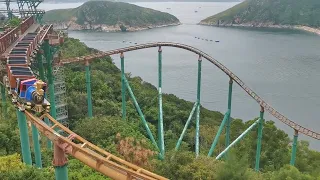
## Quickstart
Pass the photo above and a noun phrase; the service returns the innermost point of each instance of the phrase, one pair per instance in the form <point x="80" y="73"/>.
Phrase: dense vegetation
<point x="274" y="12"/>
<point x="110" y="13"/>
<point x="124" y="138"/>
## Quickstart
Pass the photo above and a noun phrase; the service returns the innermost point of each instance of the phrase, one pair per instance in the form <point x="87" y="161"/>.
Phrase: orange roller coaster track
<point x="91" y="155"/>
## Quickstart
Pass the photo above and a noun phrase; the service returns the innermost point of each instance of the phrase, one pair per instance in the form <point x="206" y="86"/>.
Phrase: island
<point x="110" y="17"/>
<point x="293" y="14"/>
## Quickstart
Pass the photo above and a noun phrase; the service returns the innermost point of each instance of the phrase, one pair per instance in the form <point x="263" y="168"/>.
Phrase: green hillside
<point x="270" y="12"/>
<point x="109" y="14"/>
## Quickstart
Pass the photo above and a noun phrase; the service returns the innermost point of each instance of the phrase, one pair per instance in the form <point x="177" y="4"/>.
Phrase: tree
<point x="289" y="173"/>
<point x="14" y="22"/>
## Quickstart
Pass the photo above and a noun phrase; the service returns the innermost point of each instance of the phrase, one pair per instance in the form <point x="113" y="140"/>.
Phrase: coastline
<point x="109" y="28"/>
<point x="267" y="25"/>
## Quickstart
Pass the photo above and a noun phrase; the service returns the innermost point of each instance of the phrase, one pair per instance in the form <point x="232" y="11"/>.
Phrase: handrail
<point x="8" y="38"/>
<point x="26" y="24"/>
<point x="251" y="93"/>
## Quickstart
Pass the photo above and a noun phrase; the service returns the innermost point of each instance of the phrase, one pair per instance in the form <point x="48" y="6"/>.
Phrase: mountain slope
<point x="112" y="16"/>
<point x="269" y="13"/>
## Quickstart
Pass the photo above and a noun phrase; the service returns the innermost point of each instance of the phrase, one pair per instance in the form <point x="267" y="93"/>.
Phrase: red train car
<point x="27" y="42"/>
<point x="20" y="72"/>
<point x="21" y="49"/>
<point x="24" y="44"/>
<point x="17" y="61"/>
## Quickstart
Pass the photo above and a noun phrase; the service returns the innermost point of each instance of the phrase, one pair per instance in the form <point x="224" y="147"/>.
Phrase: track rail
<point x="91" y="155"/>
<point x="251" y="93"/>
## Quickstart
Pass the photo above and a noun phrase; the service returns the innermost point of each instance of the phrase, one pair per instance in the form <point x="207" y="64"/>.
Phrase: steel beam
<point x="24" y="138"/>
<point x="48" y="56"/>
<point x="186" y="126"/>
<point x="160" y="115"/>
<point x="40" y="65"/>
<point x="294" y="148"/>
<point x="238" y="139"/>
<point x="197" y="149"/>
<point x="61" y="172"/>
<point x="123" y="88"/>
<point x="216" y="138"/>
<point x="4" y="101"/>
<point x="36" y="146"/>
<point x="42" y="77"/>
<point x="145" y="124"/>
<point x="260" y="127"/>
<point x="229" y="109"/>
<point x="60" y="163"/>
<point x="88" y="83"/>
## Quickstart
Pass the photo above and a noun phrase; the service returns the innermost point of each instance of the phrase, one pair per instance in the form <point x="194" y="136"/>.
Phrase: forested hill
<point x="110" y="16"/>
<point x="270" y="12"/>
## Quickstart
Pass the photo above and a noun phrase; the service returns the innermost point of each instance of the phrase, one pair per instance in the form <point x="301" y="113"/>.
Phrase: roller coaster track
<point x="251" y="93"/>
<point x="91" y="155"/>
<point x="88" y="153"/>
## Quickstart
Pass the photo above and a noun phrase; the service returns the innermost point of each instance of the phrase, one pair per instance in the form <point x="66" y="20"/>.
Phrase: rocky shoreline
<point x="71" y="25"/>
<point x="268" y="25"/>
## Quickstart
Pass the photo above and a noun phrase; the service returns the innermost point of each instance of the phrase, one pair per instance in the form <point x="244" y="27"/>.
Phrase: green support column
<point x="61" y="172"/>
<point x="36" y="146"/>
<point x="160" y="118"/>
<point x="24" y="138"/>
<point x="123" y="88"/>
<point x="260" y="127"/>
<point x="294" y="148"/>
<point x="60" y="162"/>
<point x="42" y="77"/>
<point x="229" y="109"/>
<point x="4" y="102"/>
<point x="198" y="107"/>
<point x="140" y="113"/>
<point x="40" y="65"/>
<point x="48" y="55"/>
<point x="88" y="83"/>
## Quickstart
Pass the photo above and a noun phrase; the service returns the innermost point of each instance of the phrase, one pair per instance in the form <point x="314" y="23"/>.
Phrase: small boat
<point x="217" y="41"/>
<point x="195" y="11"/>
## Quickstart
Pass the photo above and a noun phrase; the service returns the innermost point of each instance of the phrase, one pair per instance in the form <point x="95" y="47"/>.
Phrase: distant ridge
<point x="109" y="16"/>
<point x="298" y="14"/>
